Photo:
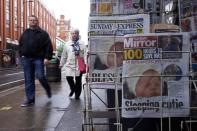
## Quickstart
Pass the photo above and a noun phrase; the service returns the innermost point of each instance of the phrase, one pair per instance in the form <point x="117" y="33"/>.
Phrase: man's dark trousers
<point x="32" y="67"/>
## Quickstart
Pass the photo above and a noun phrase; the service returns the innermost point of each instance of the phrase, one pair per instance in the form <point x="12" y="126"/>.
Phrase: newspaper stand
<point x="97" y="119"/>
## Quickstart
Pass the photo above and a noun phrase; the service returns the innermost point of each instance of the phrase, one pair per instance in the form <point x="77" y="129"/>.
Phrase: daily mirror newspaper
<point x="155" y="75"/>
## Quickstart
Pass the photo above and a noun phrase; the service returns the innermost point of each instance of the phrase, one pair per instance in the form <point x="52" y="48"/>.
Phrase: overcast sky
<point x="76" y="10"/>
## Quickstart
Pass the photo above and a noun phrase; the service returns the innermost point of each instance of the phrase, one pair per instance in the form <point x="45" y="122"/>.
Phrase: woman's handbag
<point x="82" y="65"/>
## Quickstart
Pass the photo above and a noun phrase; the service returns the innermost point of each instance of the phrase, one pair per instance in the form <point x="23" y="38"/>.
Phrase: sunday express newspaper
<point x="106" y="46"/>
<point x="118" y="25"/>
<point x="155" y="82"/>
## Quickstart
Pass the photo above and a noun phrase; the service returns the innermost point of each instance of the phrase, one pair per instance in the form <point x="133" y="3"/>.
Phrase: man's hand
<point x="46" y="61"/>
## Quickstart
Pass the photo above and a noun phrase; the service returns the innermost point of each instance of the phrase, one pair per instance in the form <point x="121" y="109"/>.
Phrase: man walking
<point x="35" y="49"/>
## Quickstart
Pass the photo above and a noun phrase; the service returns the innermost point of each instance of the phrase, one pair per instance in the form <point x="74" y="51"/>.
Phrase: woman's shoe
<point x="71" y="93"/>
<point x="77" y="97"/>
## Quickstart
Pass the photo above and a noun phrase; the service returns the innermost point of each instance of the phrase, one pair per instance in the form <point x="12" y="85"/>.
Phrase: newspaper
<point x="131" y="7"/>
<point x="105" y="61"/>
<point x="155" y="75"/>
<point x="118" y="25"/>
<point x="106" y="47"/>
<point x="112" y="7"/>
<point x="104" y="7"/>
<point x="188" y="15"/>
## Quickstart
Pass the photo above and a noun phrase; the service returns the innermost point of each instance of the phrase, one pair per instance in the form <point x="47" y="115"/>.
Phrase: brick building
<point x="63" y="28"/>
<point x="14" y="20"/>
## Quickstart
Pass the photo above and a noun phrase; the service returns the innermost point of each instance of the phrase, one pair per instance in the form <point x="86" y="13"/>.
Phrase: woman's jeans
<point x="32" y="67"/>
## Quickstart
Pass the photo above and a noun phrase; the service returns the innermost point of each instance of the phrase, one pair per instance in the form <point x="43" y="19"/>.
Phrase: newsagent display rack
<point x="102" y="107"/>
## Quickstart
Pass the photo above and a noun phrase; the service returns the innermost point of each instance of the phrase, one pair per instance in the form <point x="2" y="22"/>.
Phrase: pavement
<point x="10" y="77"/>
<point x="59" y="113"/>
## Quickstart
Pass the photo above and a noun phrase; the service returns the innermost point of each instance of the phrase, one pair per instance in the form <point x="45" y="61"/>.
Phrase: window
<point x="15" y="15"/>
<point x="7" y="13"/>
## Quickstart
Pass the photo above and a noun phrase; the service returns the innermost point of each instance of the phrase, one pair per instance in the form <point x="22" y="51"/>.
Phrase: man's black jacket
<point x="35" y="44"/>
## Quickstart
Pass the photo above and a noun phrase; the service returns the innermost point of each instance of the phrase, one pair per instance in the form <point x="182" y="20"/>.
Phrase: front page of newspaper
<point x="155" y="81"/>
<point x="106" y="47"/>
<point x="116" y="7"/>
<point x="105" y="62"/>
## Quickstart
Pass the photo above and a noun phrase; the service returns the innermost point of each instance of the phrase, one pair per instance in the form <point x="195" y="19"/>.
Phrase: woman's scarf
<point x="76" y="47"/>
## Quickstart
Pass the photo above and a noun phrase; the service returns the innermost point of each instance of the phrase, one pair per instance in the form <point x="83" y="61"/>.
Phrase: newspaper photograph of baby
<point x="155" y="84"/>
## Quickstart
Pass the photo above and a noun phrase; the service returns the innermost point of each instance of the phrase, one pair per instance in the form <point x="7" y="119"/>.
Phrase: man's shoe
<point x="71" y="93"/>
<point x="27" y="103"/>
